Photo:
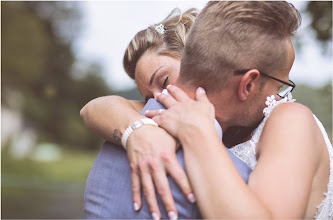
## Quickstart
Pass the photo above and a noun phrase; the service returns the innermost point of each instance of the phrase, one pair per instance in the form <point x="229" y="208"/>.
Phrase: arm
<point x="109" y="116"/>
<point x="151" y="150"/>
<point x="279" y="186"/>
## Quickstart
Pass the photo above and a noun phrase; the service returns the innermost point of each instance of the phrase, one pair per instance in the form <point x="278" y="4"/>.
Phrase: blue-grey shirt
<point x="108" y="193"/>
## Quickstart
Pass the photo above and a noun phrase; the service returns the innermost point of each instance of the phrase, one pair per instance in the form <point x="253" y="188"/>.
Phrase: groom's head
<point x="231" y="36"/>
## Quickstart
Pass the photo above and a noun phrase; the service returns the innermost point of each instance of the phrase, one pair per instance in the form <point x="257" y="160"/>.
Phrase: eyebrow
<point x="153" y="76"/>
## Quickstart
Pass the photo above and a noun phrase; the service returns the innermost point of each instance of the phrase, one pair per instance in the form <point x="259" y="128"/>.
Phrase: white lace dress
<point x="247" y="152"/>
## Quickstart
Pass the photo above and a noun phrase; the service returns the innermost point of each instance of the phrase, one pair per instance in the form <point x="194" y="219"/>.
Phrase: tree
<point x="37" y="70"/>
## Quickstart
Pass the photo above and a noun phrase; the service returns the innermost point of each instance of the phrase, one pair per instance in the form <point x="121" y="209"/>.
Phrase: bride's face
<point x="154" y="72"/>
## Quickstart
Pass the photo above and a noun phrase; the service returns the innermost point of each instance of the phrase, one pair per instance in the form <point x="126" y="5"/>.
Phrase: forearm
<point x="109" y="116"/>
<point x="220" y="190"/>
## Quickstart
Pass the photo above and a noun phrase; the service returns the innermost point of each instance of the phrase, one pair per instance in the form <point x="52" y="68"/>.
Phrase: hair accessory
<point x="160" y="28"/>
<point x="134" y="126"/>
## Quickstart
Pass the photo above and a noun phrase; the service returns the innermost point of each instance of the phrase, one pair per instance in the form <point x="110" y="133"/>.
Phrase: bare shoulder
<point x="292" y="109"/>
<point x="290" y="125"/>
<point x="292" y="116"/>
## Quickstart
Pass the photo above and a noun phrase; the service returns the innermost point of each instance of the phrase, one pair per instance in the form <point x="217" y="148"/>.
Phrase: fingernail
<point x="168" y="86"/>
<point x="172" y="215"/>
<point x="201" y="90"/>
<point x="136" y="206"/>
<point x="146" y="112"/>
<point x="158" y="94"/>
<point x="191" y="198"/>
<point x="155" y="216"/>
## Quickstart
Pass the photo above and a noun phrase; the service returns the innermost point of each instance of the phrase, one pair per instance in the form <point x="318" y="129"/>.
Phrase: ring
<point x="160" y="111"/>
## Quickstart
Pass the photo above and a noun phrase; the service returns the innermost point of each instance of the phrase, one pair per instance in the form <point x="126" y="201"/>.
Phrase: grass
<point x="73" y="166"/>
<point x="42" y="190"/>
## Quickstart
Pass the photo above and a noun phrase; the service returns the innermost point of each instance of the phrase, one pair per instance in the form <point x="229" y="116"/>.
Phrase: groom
<point x="231" y="53"/>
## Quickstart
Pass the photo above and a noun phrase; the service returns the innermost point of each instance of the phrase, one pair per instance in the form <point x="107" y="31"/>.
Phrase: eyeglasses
<point x="287" y="87"/>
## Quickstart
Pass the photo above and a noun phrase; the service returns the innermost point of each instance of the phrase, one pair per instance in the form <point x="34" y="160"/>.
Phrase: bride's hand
<point x="184" y="117"/>
<point x="151" y="153"/>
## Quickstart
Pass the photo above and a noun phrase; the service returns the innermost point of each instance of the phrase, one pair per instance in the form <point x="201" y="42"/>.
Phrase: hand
<point x="151" y="152"/>
<point x="184" y="116"/>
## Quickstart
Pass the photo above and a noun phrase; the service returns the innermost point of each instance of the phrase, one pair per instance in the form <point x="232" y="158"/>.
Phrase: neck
<point x="224" y="108"/>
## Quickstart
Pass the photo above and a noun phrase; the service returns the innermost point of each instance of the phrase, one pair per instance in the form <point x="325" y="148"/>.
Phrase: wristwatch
<point x="136" y="125"/>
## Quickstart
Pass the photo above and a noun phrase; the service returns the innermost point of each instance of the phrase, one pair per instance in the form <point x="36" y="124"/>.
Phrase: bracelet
<point x="134" y="126"/>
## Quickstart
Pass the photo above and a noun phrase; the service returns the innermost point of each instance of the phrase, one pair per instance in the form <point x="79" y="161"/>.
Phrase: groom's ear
<point x="247" y="84"/>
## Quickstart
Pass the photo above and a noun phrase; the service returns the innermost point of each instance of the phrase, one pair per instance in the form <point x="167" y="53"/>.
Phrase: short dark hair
<point x="233" y="35"/>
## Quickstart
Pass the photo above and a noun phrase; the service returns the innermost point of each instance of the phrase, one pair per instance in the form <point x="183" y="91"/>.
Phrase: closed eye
<point x="165" y="82"/>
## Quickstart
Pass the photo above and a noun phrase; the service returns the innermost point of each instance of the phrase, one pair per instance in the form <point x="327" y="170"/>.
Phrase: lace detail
<point x="247" y="153"/>
<point x="325" y="209"/>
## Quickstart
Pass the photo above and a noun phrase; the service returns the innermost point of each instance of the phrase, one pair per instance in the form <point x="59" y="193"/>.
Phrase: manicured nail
<point x="201" y="90"/>
<point x="158" y="94"/>
<point x="172" y="215"/>
<point x="168" y="86"/>
<point x="155" y="216"/>
<point x="191" y="198"/>
<point x="136" y="206"/>
<point x="146" y="112"/>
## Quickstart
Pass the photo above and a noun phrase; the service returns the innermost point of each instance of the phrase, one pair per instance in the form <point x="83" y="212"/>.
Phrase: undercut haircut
<point x="236" y="35"/>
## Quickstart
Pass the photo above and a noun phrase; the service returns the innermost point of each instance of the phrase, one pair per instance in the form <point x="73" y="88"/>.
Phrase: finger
<point x="149" y="192"/>
<point x="166" y="100"/>
<point x="200" y="95"/>
<point x="178" y="174"/>
<point x="136" y="190"/>
<point x="153" y="113"/>
<point x="177" y="93"/>
<point x="163" y="189"/>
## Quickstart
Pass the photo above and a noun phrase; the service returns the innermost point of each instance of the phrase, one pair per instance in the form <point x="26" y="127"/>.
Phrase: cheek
<point x="173" y="78"/>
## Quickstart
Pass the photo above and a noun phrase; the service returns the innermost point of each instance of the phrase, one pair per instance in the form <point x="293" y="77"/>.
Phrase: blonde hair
<point x="235" y="35"/>
<point x="170" y="43"/>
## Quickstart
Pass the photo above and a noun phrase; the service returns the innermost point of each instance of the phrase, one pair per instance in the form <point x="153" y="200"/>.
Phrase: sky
<point x="108" y="27"/>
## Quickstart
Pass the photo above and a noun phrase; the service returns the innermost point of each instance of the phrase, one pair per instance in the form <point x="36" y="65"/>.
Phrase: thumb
<point x="200" y="95"/>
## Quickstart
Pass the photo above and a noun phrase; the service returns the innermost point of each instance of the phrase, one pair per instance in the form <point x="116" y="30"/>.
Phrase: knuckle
<point x="133" y="167"/>
<point x="135" y="188"/>
<point x="178" y="174"/>
<point x="152" y="163"/>
<point x="147" y="192"/>
<point x="162" y="191"/>
<point x="163" y="97"/>
<point x="141" y="166"/>
<point x="166" y="157"/>
<point x="163" y="118"/>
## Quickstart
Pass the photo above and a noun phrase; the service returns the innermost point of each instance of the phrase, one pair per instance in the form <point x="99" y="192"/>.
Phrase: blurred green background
<point x="46" y="151"/>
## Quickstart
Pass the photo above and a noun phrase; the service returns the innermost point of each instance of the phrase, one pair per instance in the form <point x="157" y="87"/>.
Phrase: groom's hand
<point x="152" y="155"/>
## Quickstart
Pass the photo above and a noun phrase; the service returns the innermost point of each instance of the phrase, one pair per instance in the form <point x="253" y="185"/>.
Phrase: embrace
<point x="220" y="135"/>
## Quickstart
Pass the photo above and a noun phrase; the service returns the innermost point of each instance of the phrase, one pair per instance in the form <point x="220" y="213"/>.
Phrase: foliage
<point x="319" y="100"/>
<point x="321" y="21"/>
<point x="321" y="13"/>
<point x="37" y="70"/>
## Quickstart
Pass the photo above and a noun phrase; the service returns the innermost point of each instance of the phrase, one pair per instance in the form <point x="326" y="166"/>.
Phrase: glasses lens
<point x="284" y="90"/>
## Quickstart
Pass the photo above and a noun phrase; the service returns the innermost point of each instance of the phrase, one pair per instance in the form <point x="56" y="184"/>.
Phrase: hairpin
<point x="160" y="28"/>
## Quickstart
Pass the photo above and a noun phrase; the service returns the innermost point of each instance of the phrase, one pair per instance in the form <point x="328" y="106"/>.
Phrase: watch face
<point x="136" y="125"/>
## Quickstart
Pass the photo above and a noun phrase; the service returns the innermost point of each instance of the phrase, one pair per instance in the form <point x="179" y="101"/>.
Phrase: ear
<point x="247" y="83"/>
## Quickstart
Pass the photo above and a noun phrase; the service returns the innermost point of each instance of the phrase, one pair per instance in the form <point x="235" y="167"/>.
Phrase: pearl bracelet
<point x="134" y="126"/>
